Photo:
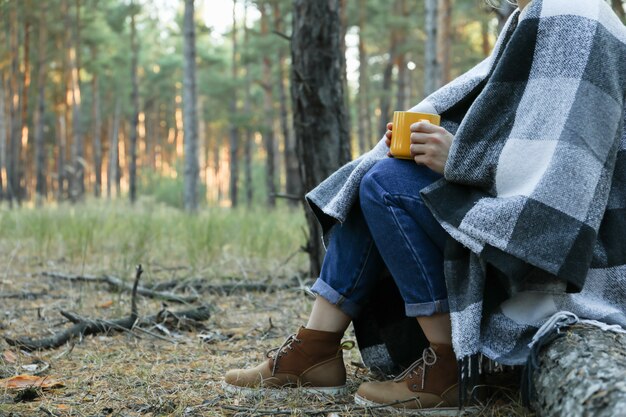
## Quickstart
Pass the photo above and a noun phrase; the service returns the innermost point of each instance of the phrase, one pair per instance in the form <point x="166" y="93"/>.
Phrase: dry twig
<point x="84" y="326"/>
<point x="119" y="284"/>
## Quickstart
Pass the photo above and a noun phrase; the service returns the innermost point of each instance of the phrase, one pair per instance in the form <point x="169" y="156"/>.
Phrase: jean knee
<point x="369" y="190"/>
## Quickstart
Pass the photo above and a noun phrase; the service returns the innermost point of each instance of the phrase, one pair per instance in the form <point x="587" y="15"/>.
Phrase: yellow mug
<point x="401" y="137"/>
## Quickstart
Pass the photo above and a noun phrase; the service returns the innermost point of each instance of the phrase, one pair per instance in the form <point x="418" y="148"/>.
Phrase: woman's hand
<point x="430" y="145"/>
<point x="388" y="135"/>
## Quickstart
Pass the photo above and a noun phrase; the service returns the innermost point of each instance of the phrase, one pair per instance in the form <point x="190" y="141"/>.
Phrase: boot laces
<point x="279" y="352"/>
<point x="418" y="368"/>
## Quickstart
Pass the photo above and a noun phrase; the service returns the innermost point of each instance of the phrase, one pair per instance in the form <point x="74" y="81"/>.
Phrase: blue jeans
<point x="390" y="228"/>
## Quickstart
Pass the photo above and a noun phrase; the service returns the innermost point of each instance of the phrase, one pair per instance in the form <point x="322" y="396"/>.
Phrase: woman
<point x="507" y="131"/>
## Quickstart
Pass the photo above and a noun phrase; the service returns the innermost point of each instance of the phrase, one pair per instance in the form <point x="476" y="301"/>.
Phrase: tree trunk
<point x="61" y="134"/>
<point x="431" y="67"/>
<point x="77" y="183"/>
<point x="234" y="130"/>
<point x="582" y="373"/>
<point x="3" y="138"/>
<point x="400" y="62"/>
<point x="247" y="108"/>
<point x="190" y="115"/>
<point x="114" y="167"/>
<point x="97" y="131"/>
<point x="343" y="20"/>
<point x="320" y="116"/>
<point x="444" y="40"/>
<point x="486" y="44"/>
<point x="364" y="130"/>
<point x="132" y="171"/>
<point x="268" y="104"/>
<point x="618" y="7"/>
<point x="216" y="164"/>
<point x="15" y="143"/>
<point x="385" y="101"/>
<point x="21" y="169"/>
<point x="293" y="183"/>
<point x="40" y="153"/>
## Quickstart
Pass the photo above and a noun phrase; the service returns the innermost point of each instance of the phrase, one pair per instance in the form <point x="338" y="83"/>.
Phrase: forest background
<point x="163" y="133"/>
<point x="172" y="104"/>
<point x="92" y="92"/>
<point x="93" y="103"/>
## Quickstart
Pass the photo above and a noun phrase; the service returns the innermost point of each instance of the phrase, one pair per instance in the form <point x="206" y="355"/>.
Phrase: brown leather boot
<point x="312" y="359"/>
<point x="429" y="383"/>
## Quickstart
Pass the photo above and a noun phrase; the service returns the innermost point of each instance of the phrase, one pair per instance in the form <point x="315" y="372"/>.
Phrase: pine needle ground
<point x="134" y="373"/>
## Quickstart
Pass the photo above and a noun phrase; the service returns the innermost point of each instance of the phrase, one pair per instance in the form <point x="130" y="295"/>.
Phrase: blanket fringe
<point x="470" y="368"/>
<point x="550" y="331"/>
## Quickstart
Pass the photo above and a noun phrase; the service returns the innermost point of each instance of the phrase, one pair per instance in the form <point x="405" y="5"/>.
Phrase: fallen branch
<point x="24" y="295"/>
<point x="121" y="285"/>
<point x="85" y="326"/>
<point x="201" y="286"/>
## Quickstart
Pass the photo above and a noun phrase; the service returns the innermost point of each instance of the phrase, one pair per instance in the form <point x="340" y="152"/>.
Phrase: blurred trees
<point x="92" y="94"/>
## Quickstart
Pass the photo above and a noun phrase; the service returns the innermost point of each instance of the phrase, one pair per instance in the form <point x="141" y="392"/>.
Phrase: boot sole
<point x="280" y="393"/>
<point x="441" y="411"/>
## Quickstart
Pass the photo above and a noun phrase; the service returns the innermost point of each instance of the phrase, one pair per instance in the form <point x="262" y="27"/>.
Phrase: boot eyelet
<point x="414" y="386"/>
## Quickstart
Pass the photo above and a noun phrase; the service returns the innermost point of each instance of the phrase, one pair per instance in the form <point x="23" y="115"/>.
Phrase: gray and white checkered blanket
<point x="534" y="194"/>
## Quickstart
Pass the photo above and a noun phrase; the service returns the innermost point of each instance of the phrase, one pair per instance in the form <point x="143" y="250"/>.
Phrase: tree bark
<point x="293" y="182"/>
<point x="431" y="66"/>
<point x="582" y="373"/>
<point x="40" y="154"/>
<point x="364" y="124"/>
<point x="320" y="115"/>
<point x="134" y="47"/>
<point x="268" y="104"/>
<point x="190" y="114"/>
<point x="234" y="130"/>
<point x="343" y="20"/>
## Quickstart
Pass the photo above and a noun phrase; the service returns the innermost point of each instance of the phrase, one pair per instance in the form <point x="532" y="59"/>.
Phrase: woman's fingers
<point x="418" y="149"/>
<point x="426" y="127"/>
<point x="389" y="126"/>
<point x="423" y="137"/>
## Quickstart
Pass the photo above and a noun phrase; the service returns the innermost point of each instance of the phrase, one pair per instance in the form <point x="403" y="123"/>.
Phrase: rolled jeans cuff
<point x="427" y="309"/>
<point x="331" y="295"/>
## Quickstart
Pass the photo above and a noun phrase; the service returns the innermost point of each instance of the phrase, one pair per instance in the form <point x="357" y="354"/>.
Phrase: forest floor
<point x="159" y="370"/>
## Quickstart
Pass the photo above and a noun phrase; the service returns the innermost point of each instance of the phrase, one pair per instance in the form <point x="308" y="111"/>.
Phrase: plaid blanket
<point x="534" y="195"/>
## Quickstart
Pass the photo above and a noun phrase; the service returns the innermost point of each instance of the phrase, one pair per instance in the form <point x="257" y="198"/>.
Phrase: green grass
<point x="113" y="236"/>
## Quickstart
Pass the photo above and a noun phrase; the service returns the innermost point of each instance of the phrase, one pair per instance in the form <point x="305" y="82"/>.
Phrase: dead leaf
<point x="106" y="304"/>
<point x="9" y="357"/>
<point x="63" y="407"/>
<point x="29" y="381"/>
